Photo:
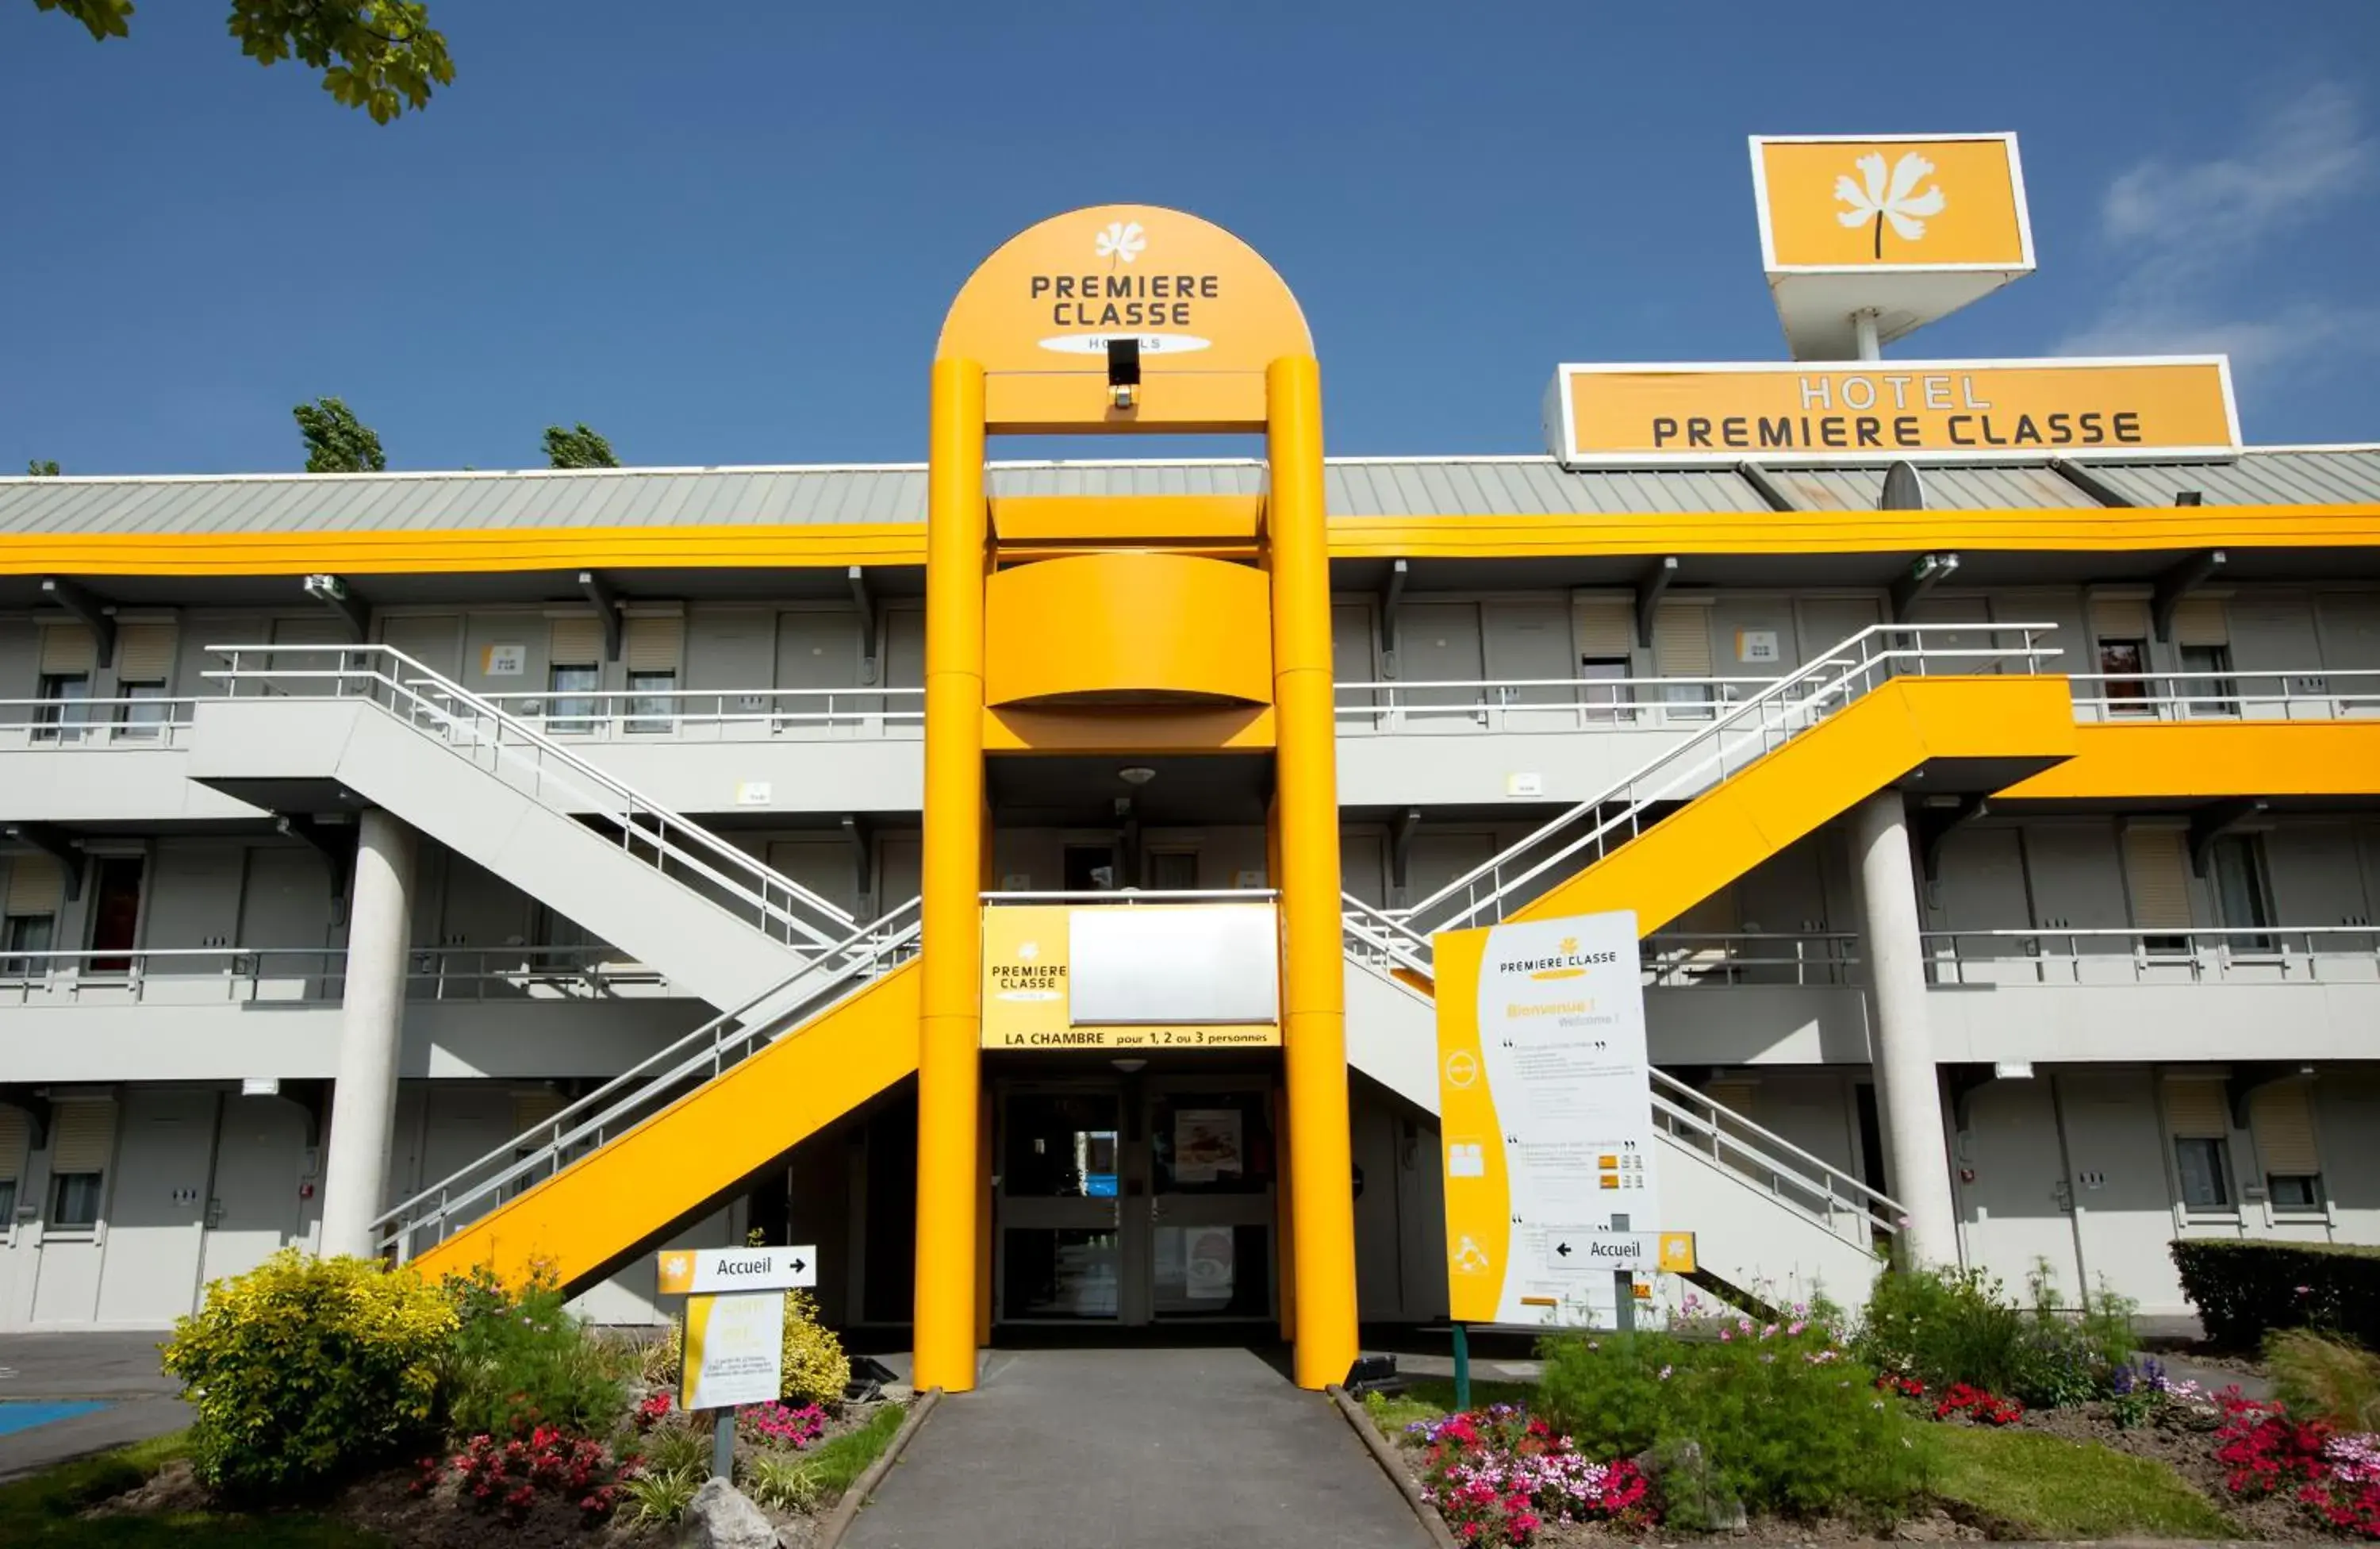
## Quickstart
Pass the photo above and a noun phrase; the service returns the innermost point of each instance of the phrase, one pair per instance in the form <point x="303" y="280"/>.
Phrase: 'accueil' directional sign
<point x="696" y="1271"/>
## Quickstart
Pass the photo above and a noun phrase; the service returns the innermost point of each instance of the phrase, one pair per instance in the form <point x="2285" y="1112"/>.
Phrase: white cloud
<point x="2193" y="234"/>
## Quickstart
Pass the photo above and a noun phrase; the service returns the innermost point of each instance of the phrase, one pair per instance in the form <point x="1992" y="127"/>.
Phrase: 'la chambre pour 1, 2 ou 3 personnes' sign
<point x="1938" y="410"/>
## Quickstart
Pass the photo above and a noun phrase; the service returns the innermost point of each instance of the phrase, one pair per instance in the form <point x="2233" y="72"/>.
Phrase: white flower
<point x="1124" y="239"/>
<point x="1898" y="202"/>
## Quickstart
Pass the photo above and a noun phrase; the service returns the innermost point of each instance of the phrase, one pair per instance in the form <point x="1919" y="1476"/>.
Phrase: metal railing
<point x="716" y="715"/>
<point x="1540" y="703"/>
<point x="109" y="722"/>
<point x="2272" y="954"/>
<point x="303" y="975"/>
<point x="2335" y="695"/>
<point x="1126" y="896"/>
<point x="649" y="1085"/>
<point x="1737" y="737"/>
<point x="532" y="762"/>
<point x="1809" y="1184"/>
<point x="1679" y="959"/>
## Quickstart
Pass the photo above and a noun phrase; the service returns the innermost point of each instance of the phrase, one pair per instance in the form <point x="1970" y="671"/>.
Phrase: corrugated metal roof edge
<point x="2117" y="458"/>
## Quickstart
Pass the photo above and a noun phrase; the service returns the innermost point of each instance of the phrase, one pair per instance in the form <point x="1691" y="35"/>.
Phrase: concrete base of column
<point x="371" y="1027"/>
<point x="1908" y="1091"/>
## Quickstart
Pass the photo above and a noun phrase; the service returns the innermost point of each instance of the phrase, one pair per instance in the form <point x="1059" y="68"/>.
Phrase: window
<point x="2156" y="872"/>
<point x="115" y="912"/>
<point x="2237" y="865"/>
<point x="1604" y="703"/>
<point x="2205" y="1168"/>
<point x="571" y="712"/>
<point x="652" y="709"/>
<point x="74" y="1200"/>
<point x="2295" y="1190"/>
<point x="2124" y="662"/>
<point x="8" y="1202"/>
<point x="2206" y="688"/>
<point x="26" y="933"/>
<point x="65" y="708"/>
<point x="147" y="711"/>
<point x="1174" y="869"/>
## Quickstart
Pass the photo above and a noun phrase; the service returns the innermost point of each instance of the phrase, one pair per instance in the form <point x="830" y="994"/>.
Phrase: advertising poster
<point x="1546" y="1116"/>
<point x="1207" y="1145"/>
<point x="735" y="1349"/>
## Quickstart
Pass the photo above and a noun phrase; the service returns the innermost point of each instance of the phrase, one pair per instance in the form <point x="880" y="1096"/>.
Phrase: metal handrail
<point x="2200" y="950"/>
<point x="1779" y="1159"/>
<point x="635" y="711"/>
<point x="639" y="818"/>
<point x="2230" y="695"/>
<point x="431" y="972"/>
<point x="1789" y="706"/>
<point x="1136" y="895"/>
<point x="701" y="1055"/>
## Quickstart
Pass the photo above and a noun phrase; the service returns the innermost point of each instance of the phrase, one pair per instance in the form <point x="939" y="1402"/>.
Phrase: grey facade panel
<point x="1415" y="487"/>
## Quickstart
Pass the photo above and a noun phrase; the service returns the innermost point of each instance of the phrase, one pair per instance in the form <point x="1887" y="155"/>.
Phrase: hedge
<point x="2244" y="1290"/>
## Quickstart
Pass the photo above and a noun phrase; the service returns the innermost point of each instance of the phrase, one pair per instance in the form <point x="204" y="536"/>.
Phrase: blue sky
<point x="726" y="233"/>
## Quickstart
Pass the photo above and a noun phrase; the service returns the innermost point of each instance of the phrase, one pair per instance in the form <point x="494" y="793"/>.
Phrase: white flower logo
<point x="1028" y="951"/>
<point x="1899" y="204"/>
<point x="1122" y="239"/>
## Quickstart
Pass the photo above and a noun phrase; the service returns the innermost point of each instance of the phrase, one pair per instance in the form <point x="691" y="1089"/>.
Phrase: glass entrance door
<point x="1061" y="1256"/>
<point x="1211" y="1199"/>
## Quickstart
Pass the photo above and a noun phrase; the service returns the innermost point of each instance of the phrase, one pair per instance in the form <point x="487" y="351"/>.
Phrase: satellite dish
<point x="1902" y="491"/>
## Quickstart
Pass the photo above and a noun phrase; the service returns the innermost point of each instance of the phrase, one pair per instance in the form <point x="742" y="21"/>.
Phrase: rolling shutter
<point x="2284" y="1128"/>
<point x="533" y="1108"/>
<point x="81" y="1137"/>
<point x="144" y="652"/>
<point x="2199" y="621"/>
<point x="35" y="885"/>
<point x="654" y="644"/>
<point x="2120" y="618"/>
<point x="1607" y="629"/>
<point x="1734" y="1096"/>
<point x="67" y="649"/>
<point x="2196" y="1110"/>
<point x="2158" y="872"/>
<point x="15" y="1133"/>
<point x="576" y="642"/>
<point x="1681" y="645"/>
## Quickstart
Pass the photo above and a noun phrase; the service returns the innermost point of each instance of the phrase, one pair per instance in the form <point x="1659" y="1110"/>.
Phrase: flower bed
<point x="1498" y="1476"/>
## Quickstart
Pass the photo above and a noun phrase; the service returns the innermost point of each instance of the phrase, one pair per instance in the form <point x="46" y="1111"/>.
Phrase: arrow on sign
<point x="799" y="1267"/>
<point x="1562" y="1249"/>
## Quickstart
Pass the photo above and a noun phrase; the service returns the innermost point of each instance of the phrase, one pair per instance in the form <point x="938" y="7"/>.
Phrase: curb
<point x="846" y="1510"/>
<point x="1384" y="1453"/>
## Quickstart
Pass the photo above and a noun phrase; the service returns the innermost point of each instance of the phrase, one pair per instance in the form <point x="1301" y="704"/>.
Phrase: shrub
<point x="519" y="1360"/>
<point x="1787" y="1422"/>
<point x="2326" y="1378"/>
<point x="678" y="1449"/>
<point x="1954" y="1327"/>
<point x="304" y="1371"/>
<point x="786" y="1484"/>
<point x="2245" y="1291"/>
<point x="781" y="1424"/>
<point x="816" y="1370"/>
<point x="505" y="1476"/>
<point x="660" y="1496"/>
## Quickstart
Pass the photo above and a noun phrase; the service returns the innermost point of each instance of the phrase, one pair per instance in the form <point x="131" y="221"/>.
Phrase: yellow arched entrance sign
<point x="1208" y="314"/>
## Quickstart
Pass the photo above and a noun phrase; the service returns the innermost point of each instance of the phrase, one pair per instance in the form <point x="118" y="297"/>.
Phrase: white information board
<point x="1547" y="1118"/>
<point x="735" y="1350"/>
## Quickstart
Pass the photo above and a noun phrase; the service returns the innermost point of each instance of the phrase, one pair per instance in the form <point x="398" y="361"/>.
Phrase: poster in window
<point x="1207" y="1273"/>
<point x="1207" y="1145"/>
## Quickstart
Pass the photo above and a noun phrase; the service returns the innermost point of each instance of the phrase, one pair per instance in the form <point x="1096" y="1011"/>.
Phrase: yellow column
<point x="949" y="1024"/>
<point x="1313" y="1017"/>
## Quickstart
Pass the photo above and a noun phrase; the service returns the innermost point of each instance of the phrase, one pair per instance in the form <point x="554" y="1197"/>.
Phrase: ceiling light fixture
<point x="1138" y="775"/>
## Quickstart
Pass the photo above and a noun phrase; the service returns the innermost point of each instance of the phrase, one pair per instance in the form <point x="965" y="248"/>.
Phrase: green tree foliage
<point x="381" y="56"/>
<point x="578" y="448"/>
<point x="336" y="442"/>
<point x="41" y="468"/>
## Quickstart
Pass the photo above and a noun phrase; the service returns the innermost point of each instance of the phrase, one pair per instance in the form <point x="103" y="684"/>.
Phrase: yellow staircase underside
<point x="1900" y="726"/>
<point x="627" y="1190"/>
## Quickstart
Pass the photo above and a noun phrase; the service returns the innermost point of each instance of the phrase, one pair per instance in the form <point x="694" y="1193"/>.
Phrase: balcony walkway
<point x="1093" y="1448"/>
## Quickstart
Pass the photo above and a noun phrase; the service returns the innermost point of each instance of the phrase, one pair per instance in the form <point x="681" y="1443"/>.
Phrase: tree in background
<point x="578" y="448"/>
<point x="336" y="442"/>
<point x="41" y="468"/>
<point x="381" y="56"/>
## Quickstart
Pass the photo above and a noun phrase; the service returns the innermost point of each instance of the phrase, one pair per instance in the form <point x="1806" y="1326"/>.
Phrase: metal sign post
<point x="733" y="1330"/>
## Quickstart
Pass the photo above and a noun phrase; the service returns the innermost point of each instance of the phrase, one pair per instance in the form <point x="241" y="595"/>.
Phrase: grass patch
<point x="1433" y="1398"/>
<point x="45" y="1510"/>
<point x="841" y="1459"/>
<point x="2039" y="1486"/>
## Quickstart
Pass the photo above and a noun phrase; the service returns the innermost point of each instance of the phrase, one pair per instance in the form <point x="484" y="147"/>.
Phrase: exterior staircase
<point x="1879" y="709"/>
<point x="302" y="727"/>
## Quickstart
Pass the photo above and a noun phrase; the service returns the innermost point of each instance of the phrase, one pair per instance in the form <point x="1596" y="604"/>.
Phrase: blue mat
<point x="16" y="1416"/>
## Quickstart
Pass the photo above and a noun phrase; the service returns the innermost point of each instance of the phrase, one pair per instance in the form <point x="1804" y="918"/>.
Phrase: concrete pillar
<point x="1907" y="1093"/>
<point x="371" y="1023"/>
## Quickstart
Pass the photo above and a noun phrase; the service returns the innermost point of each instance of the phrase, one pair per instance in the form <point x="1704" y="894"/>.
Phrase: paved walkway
<point x="55" y="1370"/>
<point x="1091" y="1449"/>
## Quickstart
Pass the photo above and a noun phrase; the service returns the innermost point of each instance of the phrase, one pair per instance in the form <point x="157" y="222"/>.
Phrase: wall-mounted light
<point x="1124" y="373"/>
<point x="1136" y="774"/>
<point x="1130" y="1066"/>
